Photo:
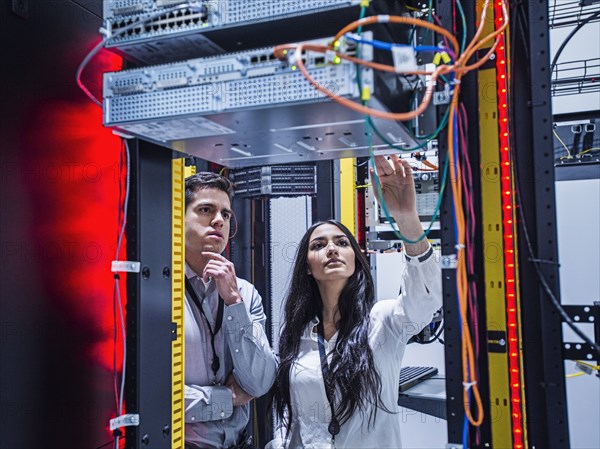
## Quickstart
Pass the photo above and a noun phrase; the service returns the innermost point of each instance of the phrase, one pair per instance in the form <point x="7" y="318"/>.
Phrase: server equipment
<point x="273" y="181"/>
<point x="249" y="108"/>
<point x="158" y="31"/>
<point x="427" y="186"/>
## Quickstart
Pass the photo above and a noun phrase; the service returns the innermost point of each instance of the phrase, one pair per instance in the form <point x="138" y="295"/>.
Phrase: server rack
<point x="542" y="336"/>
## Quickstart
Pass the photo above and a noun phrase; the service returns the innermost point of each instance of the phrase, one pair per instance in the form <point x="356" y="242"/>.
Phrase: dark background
<point x="58" y="206"/>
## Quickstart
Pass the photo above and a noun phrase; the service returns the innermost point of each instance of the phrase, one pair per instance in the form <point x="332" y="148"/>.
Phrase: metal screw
<point x="166" y="272"/>
<point x="145" y="272"/>
<point x="145" y="440"/>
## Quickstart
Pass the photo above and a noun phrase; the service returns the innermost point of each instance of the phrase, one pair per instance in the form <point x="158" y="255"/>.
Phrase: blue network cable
<point x="388" y="46"/>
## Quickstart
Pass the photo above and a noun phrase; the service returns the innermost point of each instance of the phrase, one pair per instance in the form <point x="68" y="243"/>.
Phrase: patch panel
<point x="280" y="180"/>
<point x="161" y="31"/>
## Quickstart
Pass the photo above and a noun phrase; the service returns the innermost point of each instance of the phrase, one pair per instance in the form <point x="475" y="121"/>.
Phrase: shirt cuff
<point x="420" y="258"/>
<point x="236" y="317"/>
<point x="218" y="405"/>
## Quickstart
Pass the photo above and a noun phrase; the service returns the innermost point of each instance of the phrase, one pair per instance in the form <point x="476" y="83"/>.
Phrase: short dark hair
<point x="206" y="180"/>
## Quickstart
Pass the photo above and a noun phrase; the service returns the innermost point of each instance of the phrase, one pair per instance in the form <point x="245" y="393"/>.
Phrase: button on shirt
<point x="242" y="347"/>
<point x="392" y="323"/>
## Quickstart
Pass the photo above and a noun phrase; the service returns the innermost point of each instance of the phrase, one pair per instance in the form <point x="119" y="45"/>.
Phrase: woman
<point x="334" y="330"/>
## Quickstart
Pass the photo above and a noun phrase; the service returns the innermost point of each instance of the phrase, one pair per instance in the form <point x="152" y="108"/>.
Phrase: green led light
<point x="294" y="67"/>
<point x="337" y="60"/>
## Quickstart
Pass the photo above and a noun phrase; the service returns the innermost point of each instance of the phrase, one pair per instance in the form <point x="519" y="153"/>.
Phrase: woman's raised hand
<point x="397" y="185"/>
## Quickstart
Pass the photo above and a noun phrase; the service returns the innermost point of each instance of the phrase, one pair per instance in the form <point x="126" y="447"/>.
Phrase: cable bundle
<point x="456" y="64"/>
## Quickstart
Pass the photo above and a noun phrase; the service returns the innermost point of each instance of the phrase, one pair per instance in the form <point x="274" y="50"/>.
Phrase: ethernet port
<point x="320" y="60"/>
<point x="263" y="58"/>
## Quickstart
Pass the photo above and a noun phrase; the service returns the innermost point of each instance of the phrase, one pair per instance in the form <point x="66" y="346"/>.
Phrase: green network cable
<point x="369" y="125"/>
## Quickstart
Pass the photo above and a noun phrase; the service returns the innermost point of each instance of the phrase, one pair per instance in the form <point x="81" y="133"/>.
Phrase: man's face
<point x="207" y="221"/>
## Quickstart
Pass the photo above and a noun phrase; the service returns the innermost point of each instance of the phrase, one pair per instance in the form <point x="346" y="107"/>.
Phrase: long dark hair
<point x="352" y="366"/>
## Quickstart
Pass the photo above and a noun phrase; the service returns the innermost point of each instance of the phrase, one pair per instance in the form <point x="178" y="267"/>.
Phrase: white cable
<point x="126" y="202"/>
<point x="117" y="287"/>
<point x="121" y="31"/>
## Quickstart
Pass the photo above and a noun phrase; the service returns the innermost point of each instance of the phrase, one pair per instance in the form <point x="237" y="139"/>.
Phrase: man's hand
<point x="223" y="272"/>
<point x="240" y="397"/>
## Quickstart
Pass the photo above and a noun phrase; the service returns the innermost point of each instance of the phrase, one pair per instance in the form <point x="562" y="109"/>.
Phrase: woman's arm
<point x="420" y="293"/>
<point x="398" y="190"/>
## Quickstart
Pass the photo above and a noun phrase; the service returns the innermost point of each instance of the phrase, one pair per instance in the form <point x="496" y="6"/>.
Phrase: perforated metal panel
<point x="160" y="104"/>
<point x="289" y="220"/>
<point x="240" y="11"/>
<point x="114" y="8"/>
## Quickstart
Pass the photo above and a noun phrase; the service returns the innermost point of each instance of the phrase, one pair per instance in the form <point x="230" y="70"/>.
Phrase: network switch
<point x="249" y="108"/>
<point x="274" y="181"/>
<point x="159" y="31"/>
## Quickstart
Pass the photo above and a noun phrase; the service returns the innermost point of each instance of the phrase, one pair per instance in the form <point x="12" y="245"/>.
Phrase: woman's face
<point x="330" y="255"/>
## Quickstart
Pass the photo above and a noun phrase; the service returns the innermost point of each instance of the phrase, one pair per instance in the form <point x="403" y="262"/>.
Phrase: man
<point x="228" y="360"/>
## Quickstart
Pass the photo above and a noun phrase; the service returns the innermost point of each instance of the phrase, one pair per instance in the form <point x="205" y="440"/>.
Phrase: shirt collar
<point x="189" y="273"/>
<point x="313" y="335"/>
<point x="193" y="276"/>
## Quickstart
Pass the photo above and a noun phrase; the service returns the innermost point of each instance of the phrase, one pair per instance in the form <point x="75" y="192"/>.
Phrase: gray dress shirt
<point x="211" y="421"/>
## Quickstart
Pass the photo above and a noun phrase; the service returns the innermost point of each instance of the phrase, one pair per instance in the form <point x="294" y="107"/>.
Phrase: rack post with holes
<point x="149" y="315"/>
<point x="542" y="381"/>
<point x="582" y="315"/>
<point x="544" y="376"/>
<point x="452" y="327"/>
